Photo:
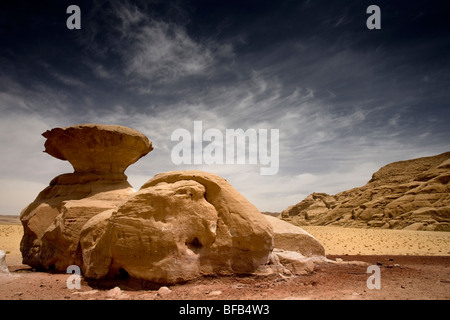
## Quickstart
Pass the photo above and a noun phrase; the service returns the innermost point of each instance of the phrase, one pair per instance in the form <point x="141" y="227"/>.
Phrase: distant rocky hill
<point x="412" y="194"/>
<point x="9" y="219"/>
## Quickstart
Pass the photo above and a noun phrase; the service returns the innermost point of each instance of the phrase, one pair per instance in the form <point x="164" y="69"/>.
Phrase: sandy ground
<point x="10" y="236"/>
<point x="355" y="241"/>
<point x="413" y="265"/>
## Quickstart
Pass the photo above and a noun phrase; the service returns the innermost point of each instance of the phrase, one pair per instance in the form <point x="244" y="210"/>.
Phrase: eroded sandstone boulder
<point x="180" y="225"/>
<point x="292" y="238"/>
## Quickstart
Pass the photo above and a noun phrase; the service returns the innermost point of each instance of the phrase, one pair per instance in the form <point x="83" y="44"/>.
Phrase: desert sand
<point x="356" y="241"/>
<point x="10" y="236"/>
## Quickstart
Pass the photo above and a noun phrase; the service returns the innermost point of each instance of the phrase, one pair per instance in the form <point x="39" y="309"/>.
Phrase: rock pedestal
<point x="52" y="222"/>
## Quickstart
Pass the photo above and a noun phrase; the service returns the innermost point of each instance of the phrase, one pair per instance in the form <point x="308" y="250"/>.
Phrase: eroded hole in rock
<point x="123" y="274"/>
<point x="194" y="245"/>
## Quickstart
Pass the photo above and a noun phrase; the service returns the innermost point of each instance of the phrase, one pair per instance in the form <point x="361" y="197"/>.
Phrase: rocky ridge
<point x="412" y="194"/>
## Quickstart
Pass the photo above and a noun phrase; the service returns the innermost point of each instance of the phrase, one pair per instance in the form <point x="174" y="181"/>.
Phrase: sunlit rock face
<point x="412" y="194"/>
<point x="180" y="224"/>
<point x="53" y="221"/>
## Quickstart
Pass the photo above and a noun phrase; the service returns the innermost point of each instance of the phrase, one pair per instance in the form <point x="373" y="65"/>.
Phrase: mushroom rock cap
<point x="97" y="148"/>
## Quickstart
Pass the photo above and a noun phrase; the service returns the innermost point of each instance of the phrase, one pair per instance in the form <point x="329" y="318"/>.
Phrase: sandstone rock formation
<point x="412" y="194"/>
<point x="178" y="226"/>
<point x="93" y="148"/>
<point x="286" y="236"/>
<point x="52" y="223"/>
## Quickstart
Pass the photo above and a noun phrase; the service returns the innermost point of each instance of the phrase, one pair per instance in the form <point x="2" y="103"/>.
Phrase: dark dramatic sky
<point x="346" y="99"/>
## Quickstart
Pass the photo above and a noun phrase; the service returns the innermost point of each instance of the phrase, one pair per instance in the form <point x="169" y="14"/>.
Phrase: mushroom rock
<point x="178" y="226"/>
<point x="53" y="221"/>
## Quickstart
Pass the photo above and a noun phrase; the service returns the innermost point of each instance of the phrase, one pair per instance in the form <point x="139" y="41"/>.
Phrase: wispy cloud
<point x="151" y="50"/>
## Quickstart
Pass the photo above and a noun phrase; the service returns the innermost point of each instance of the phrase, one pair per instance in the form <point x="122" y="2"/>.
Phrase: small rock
<point x="113" y="292"/>
<point x="164" y="291"/>
<point x="215" y="293"/>
<point x="116" y="293"/>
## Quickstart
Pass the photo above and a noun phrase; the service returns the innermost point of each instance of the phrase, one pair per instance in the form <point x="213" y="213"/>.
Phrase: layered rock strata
<point x="412" y="194"/>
